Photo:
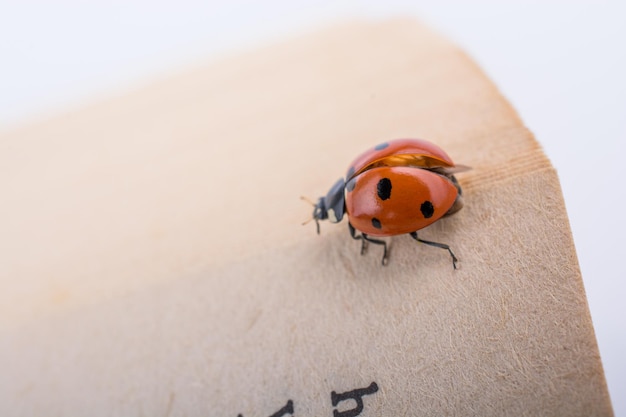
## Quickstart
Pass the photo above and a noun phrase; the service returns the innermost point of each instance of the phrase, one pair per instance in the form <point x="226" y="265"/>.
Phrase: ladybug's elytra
<point x="397" y="187"/>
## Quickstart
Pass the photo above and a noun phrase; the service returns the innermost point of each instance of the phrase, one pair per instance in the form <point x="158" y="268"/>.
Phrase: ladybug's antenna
<point x="308" y="200"/>
<point x="317" y="222"/>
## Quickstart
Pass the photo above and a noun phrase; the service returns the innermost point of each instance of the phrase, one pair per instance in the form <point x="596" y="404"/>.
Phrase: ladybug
<point x="397" y="187"/>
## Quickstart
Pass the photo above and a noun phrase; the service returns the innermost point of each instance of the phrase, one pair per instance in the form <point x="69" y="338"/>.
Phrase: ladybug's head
<point x="331" y="207"/>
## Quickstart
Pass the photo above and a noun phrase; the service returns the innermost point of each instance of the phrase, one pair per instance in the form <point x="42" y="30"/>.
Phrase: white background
<point x="561" y="64"/>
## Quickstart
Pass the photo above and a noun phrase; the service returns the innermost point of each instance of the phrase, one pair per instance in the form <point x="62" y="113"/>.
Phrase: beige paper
<point x="153" y="260"/>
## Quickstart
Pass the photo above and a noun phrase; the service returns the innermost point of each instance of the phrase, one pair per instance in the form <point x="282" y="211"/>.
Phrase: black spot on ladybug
<point x="376" y="223"/>
<point x="381" y="146"/>
<point x="427" y="209"/>
<point x="350" y="173"/>
<point x="384" y="188"/>
<point x="351" y="184"/>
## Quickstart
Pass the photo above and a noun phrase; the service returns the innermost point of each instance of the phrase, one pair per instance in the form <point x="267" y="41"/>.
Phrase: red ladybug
<point x="397" y="187"/>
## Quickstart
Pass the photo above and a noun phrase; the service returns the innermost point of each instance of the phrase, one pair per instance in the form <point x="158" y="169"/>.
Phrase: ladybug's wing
<point x="450" y="170"/>
<point x="402" y="152"/>
<point x="389" y="201"/>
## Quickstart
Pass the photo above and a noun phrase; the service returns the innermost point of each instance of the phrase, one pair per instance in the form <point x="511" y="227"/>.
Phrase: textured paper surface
<point x="153" y="262"/>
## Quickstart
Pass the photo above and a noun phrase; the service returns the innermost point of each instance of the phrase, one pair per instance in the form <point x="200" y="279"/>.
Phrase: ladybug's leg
<point x="378" y="242"/>
<point x="355" y="237"/>
<point x="437" y="245"/>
